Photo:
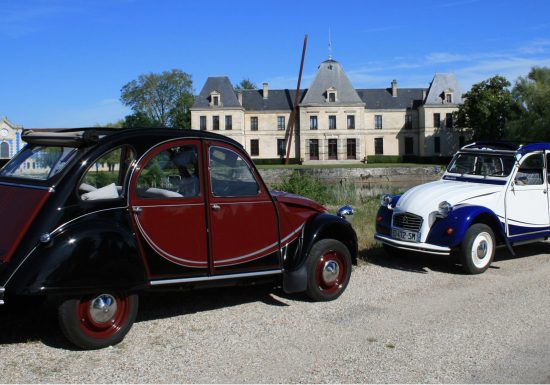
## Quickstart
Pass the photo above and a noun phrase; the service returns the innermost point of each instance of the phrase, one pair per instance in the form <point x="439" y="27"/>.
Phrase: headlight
<point x="444" y="209"/>
<point x="385" y="200"/>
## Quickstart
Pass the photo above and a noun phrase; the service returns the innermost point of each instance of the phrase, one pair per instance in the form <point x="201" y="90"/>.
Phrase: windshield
<point x="482" y="164"/>
<point x="38" y="162"/>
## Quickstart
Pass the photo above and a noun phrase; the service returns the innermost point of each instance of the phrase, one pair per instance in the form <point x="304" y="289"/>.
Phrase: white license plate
<point x="405" y="235"/>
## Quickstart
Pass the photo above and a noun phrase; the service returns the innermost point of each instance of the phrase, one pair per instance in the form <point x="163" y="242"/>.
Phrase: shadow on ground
<point x="38" y="321"/>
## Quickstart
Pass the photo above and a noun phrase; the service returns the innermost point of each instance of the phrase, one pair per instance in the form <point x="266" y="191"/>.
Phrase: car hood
<point x="19" y="206"/>
<point x="425" y="198"/>
<point x="297" y="200"/>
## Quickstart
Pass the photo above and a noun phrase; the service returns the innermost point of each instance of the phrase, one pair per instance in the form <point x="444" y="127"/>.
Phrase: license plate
<point x="406" y="235"/>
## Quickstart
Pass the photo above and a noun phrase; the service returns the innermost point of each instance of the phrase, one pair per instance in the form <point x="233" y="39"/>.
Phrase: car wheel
<point x="97" y="321"/>
<point x="329" y="269"/>
<point x="477" y="249"/>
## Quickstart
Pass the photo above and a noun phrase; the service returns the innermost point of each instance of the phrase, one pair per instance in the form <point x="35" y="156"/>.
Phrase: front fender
<point x="459" y="220"/>
<point x="321" y="226"/>
<point x="85" y="257"/>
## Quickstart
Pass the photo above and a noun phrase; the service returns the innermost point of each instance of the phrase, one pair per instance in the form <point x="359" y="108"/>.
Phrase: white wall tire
<point x="478" y="249"/>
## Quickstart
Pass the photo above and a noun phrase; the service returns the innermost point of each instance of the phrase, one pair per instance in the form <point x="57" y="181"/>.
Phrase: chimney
<point x="266" y="91"/>
<point x="240" y="97"/>
<point x="394" y="88"/>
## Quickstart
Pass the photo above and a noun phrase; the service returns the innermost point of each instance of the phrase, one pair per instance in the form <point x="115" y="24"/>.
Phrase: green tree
<point x="531" y="118"/>
<point x="139" y="120"/>
<point x="245" y="84"/>
<point x="486" y="109"/>
<point x="163" y="99"/>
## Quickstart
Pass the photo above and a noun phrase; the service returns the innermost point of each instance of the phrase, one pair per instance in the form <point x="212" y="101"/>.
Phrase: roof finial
<point x="329" y="46"/>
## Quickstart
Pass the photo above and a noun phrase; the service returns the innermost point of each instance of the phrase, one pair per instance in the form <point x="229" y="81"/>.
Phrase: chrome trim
<point x="49" y="189"/>
<point x="420" y="247"/>
<point x="2" y="291"/>
<point x="60" y="227"/>
<point x="344" y="211"/>
<point x="214" y="278"/>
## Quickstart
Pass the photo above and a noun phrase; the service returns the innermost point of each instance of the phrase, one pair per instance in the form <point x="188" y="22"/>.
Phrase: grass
<point x="339" y="165"/>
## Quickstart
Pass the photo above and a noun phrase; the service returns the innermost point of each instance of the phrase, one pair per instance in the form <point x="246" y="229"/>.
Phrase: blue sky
<point x="64" y="62"/>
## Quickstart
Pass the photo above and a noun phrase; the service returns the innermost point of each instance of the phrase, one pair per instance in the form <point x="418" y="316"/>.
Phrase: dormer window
<point x="448" y="97"/>
<point x="215" y="99"/>
<point x="331" y="95"/>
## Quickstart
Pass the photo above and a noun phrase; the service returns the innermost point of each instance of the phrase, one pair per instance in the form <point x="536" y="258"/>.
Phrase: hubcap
<point x="331" y="270"/>
<point x="482" y="249"/>
<point x="103" y="308"/>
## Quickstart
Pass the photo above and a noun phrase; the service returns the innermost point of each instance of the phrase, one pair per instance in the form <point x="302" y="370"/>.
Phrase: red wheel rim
<point x="331" y="272"/>
<point x="104" y="315"/>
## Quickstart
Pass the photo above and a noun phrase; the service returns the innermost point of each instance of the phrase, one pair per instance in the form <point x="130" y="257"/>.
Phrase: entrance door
<point x="168" y="207"/>
<point x="527" y="200"/>
<point x="243" y="222"/>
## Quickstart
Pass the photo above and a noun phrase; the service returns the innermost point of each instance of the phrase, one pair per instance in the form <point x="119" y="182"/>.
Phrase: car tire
<point x="477" y="249"/>
<point x="329" y="269"/>
<point x="97" y="321"/>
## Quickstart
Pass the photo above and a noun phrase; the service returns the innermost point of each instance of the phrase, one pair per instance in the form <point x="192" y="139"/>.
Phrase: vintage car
<point x="92" y="217"/>
<point x="491" y="195"/>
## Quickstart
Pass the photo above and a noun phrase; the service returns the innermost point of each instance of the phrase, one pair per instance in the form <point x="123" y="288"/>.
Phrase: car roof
<point x="88" y="136"/>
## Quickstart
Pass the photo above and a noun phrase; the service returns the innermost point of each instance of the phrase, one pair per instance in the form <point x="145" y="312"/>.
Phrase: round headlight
<point x="385" y="200"/>
<point x="444" y="209"/>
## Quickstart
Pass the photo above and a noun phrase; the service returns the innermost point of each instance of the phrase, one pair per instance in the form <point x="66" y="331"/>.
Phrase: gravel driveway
<point x="400" y="320"/>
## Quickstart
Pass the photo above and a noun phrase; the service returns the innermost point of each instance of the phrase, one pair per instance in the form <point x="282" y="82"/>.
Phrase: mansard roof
<point x="223" y="86"/>
<point x="331" y="75"/>
<point x="441" y="84"/>
<point x="380" y="98"/>
<point x="277" y="100"/>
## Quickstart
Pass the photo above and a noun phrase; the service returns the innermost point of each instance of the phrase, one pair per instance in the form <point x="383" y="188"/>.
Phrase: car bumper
<point x="413" y="246"/>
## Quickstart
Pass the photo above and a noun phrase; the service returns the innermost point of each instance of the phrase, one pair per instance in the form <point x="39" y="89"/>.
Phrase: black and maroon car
<point x="91" y="217"/>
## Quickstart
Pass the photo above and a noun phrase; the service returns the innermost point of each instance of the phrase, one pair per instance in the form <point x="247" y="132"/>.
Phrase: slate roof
<point x="440" y="84"/>
<point x="223" y="86"/>
<point x="253" y="100"/>
<point x="330" y="74"/>
<point x="380" y="98"/>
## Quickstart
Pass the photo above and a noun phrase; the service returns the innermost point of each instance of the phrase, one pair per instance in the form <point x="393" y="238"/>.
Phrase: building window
<point x="378" y="122"/>
<point x="437" y="120"/>
<point x="254" y="147"/>
<point x="351" y="122"/>
<point x="216" y="100"/>
<point x="314" y="149"/>
<point x="280" y="122"/>
<point x="351" y="148"/>
<point x="228" y="122"/>
<point x="4" y="150"/>
<point x="203" y="123"/>
<point x="437" y="145"/>
<point x="281" y="147"/>
<point x="333" y="149"/>
<point x="215" y="122"/>
<point x="253" y="123"/>
<point x="313" y="122"/>
<point x="449" y="120"/>
<point x="378" y="146"/>
<point x="408" y="121"/>
<point x="332" y="97"/>
<point x="409" y="145"/>
<point x="449" y="98"/>
<point x="332" y="122"/>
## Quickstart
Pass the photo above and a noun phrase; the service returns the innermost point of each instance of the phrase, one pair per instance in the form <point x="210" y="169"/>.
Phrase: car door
<point x="527" y="199"/>
<point x="243" y="221"/>
<point x="167" y="203"/>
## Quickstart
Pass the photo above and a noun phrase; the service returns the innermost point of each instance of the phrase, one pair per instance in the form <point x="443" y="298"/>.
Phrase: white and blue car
<point x="492" y="194"/>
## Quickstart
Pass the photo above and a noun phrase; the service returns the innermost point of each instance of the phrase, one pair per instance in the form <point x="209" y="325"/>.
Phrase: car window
<point x="230" y="175"/>
<point x="172" y="173"/>
<point x="480" y="164"/>
<point x="531" y="170"/>
<point x="104" y="179"/>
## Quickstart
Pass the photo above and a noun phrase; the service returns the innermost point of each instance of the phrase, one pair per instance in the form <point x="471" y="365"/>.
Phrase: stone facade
<point x="336" y="123"/>
<point x="10" y="138"/>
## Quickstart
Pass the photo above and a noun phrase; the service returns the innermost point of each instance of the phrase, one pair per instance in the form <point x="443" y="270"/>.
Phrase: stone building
<point x="10" y="138"/>
<point x="336" y="122"/>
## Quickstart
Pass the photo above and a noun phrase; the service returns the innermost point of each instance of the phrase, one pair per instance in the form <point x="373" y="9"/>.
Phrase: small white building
<point x="10" y="138"/>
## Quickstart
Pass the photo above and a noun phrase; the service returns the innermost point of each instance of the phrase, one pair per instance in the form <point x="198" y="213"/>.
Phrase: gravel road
<point x="401" y="320"/>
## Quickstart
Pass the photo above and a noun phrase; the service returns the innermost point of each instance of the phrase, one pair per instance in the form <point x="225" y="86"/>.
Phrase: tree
<point x="139" y="120"/>
<point x="531" y="118"/>
<point x="245" y="84"/>
<point x="163" y="99"/>
<point x="486" y="109"/>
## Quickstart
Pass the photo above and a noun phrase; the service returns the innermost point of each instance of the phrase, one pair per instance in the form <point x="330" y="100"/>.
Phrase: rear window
<point x="39" y="162"/>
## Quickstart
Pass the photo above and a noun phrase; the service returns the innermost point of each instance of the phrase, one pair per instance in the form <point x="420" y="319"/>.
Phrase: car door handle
<point x="137" y="210"/>
<point x="216" y="207"/>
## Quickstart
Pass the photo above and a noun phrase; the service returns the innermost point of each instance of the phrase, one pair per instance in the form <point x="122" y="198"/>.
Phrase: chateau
<point x="336" y="122"/>
<point x="10" y="138"/>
